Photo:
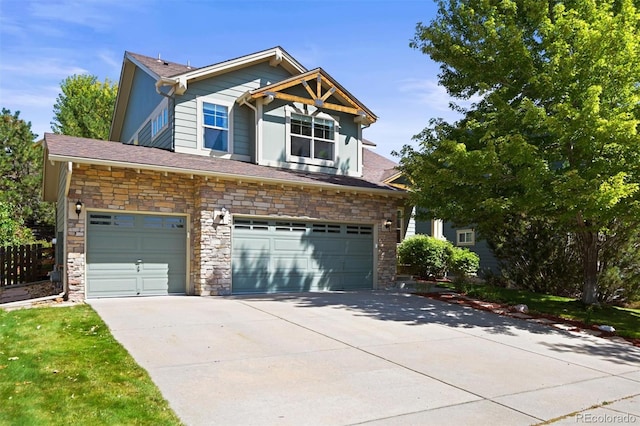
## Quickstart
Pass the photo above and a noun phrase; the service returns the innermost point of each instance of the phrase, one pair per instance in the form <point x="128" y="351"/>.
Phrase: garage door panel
<point x="108" y="242"/>
<point x="118" y="285"/>
<point x="247" y="244"/>
<point x="358" y="263"/>
<point x="300" y="256"/>
<point x="135" y="254"/>
<point x="328" y="262"/>
<point x="355" y="247"/>
<point x="154" y="286"/>
<point x="328" y="245"/>
<point x="150" y="243"/>
<point x="120" y="268"/>
<point x="291" y="244"/>
<point x="291" y="264"/>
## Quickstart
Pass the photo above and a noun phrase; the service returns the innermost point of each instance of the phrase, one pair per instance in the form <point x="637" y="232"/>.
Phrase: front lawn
<point x="62" y="366"/>
<point x="625" y="321"/>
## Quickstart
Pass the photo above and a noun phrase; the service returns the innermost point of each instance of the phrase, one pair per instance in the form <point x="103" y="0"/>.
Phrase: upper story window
<point x="313" y="137"/>
<point x="465" y="237"/>
<point x="159" y="122"/>
<point x="215" y="124"/>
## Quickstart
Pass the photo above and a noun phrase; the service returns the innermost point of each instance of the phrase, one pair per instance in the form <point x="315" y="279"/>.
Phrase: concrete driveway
<point x="369" y="358"/>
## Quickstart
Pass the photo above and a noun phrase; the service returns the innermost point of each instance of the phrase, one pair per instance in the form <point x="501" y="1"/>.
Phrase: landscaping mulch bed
<point x="507" y="310"/>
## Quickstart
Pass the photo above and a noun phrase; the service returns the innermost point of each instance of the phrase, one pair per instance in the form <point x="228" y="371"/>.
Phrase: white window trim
<point x="465" y="231"/>
<point x="164" y="105"/>
<point x="312" y="161"/>
<point x="200" y="125"/>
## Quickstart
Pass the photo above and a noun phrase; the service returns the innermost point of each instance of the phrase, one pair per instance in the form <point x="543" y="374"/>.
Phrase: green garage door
<point x="286" y="256"/>
<point x="135" y="255"/>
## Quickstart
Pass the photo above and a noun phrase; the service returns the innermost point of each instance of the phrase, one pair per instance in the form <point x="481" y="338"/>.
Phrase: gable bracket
<point x="314" y="102"/>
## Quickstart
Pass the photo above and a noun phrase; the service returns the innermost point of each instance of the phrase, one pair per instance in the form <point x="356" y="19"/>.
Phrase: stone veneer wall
<point x="105" y="188"/>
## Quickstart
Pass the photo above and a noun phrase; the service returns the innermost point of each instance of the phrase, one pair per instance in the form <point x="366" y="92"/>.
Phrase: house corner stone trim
<point x="214" y="256"/>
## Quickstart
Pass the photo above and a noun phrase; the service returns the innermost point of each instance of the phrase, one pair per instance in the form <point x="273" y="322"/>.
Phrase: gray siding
<point x="227" y="88"/>
<point x="144" y="136"/>
<point x="162" y="140"/>
<point x="274" y="132"/>
<point x="142" y="101"/>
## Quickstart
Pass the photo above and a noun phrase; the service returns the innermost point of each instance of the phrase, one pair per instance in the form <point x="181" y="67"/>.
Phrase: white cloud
<point x="96" y="14"/>
<point x="114" y="62"/>
<point x="429" y="92"/>
<point x="40" y="67"/>
<point x="18" y="99"/>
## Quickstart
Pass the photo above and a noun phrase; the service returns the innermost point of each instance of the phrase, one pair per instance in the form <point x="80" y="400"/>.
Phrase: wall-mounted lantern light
<point x="223" y="213"/>
<point x="78" y="208"/>
<point x="388" y="223"/>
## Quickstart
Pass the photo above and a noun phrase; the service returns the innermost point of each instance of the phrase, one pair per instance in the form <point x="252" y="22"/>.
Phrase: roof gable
<point x="323" y="92"/>
<point x="177" y="76"/>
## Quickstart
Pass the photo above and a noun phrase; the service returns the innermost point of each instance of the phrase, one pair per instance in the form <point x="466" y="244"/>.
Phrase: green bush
<point x="430" y="257"/>
<point x="463" y="262"/>
<point x="425" y="255"/>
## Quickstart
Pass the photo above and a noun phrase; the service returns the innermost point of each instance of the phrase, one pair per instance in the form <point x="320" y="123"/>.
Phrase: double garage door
<point x="145" y="255"/>
<point x="271" y="256"/>
<point x="135" y="255"/>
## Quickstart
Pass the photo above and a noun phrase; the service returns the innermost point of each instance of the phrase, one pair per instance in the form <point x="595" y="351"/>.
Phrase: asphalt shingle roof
<point x="161" y="67"/>
<point x="92" y="150"/>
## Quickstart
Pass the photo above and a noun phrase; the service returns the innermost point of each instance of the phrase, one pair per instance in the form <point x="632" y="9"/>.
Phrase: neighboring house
<point x="247" y="176"/>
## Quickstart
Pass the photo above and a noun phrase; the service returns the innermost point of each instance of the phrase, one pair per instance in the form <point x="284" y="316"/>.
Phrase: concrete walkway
<point x="370" y="358"/>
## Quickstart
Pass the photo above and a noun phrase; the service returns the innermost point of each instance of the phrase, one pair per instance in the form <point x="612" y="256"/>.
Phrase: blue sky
<point x="363" y="44"/>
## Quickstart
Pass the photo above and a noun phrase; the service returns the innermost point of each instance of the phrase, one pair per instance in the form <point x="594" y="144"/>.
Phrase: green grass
<point x="62" y="366"/>
<point x="625" y="321"/>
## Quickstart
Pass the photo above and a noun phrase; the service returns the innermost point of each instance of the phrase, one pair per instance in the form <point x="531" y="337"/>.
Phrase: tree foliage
<point x="20" y="168"/>
<point x="537" y="256"/>
<point x="84" y="107"/>
<point x="12" y="229"/>
<point x="554" y="130"/>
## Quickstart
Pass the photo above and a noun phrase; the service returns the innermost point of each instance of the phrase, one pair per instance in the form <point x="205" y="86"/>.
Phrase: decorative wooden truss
<point x="323" y="92"/>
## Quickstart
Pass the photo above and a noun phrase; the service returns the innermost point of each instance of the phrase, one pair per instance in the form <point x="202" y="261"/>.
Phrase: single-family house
<point x="250" y="175"/>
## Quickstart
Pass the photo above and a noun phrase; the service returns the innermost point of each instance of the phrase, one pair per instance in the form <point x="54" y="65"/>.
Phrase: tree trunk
<point x="590" y="267"/>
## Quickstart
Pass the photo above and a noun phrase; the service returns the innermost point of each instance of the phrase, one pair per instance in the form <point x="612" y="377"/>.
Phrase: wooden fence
<point x="24" y="264"/>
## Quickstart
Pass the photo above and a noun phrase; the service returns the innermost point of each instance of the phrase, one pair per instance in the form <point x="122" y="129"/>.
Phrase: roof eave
<point x="390" y="191"/>
<point x="276" y="56"/>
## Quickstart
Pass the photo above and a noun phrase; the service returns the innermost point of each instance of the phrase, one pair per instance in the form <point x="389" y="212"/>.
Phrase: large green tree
<point x="84" y="107"/>
<point x="20" y="171"/>
<point x="553" y="130"/>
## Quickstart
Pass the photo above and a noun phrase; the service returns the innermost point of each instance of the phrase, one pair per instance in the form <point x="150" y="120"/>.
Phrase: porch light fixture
<point x="223" y="213"/>
<point x="387" y="223"/>
<point x="78" y="208"/>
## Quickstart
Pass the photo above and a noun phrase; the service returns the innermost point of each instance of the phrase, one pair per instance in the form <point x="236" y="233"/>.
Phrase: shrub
<point x="431" y="257"/>
<point x="426" y="255"/>
<point x="463" y="262"/>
